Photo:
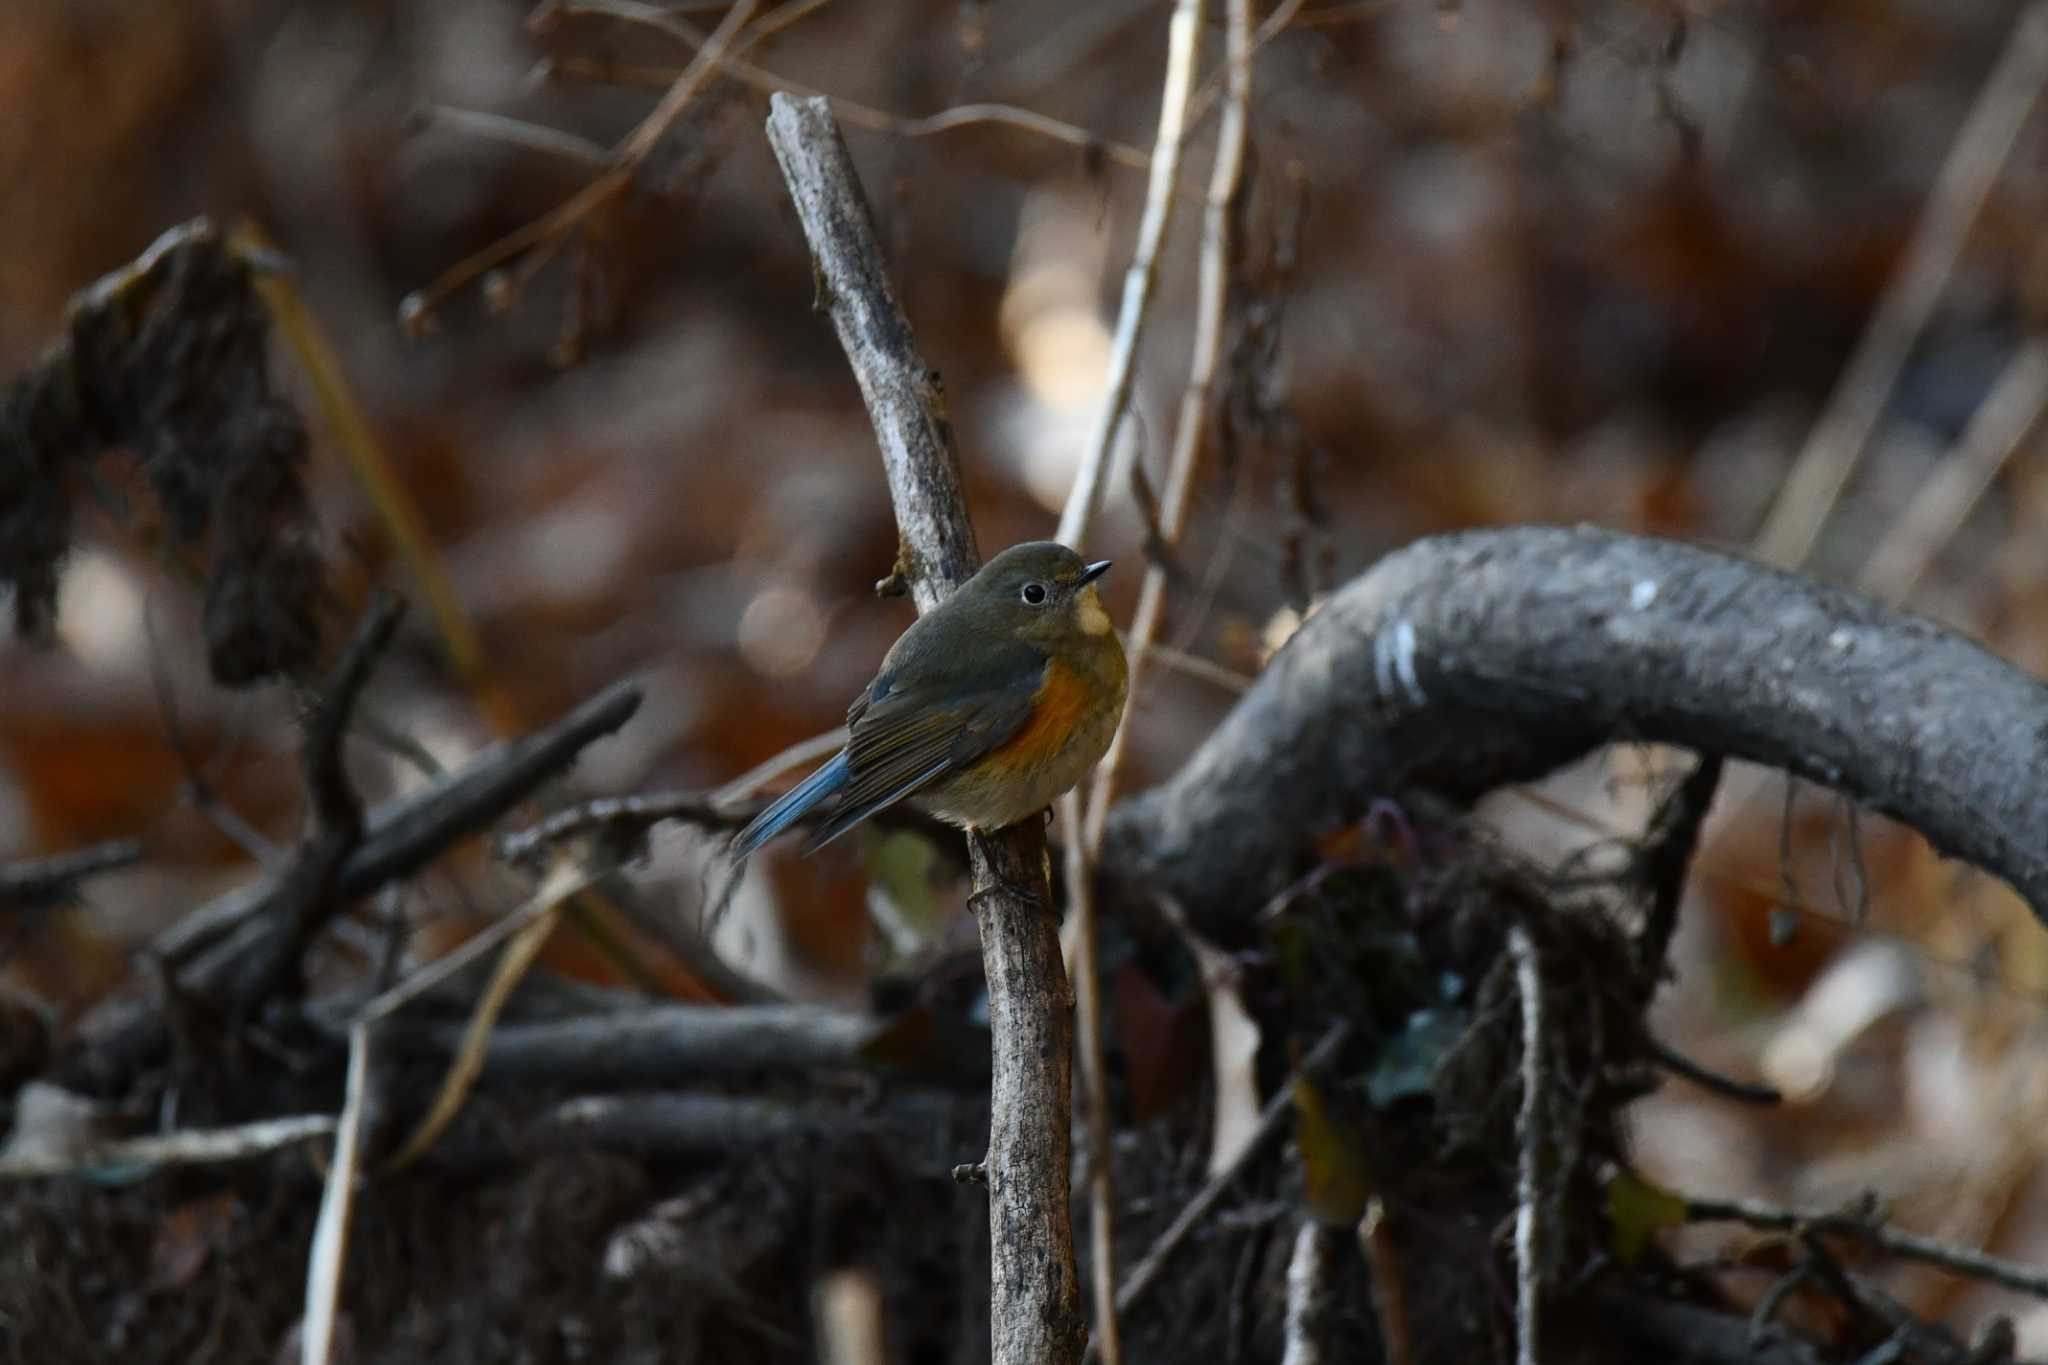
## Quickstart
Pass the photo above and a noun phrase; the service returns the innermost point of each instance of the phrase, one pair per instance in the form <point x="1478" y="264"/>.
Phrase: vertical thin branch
<point x="1082" y="499"/>
<point x="1183" y="30"/>
<point x="1973" y="164"/>
<point x="1224" y="180"/>
<point x="1389" y="1296"/>
<point x="848" y="1307"/>
<point x="1308" y="1293"/>
<point x="1108" y="1340"/>
<point x="1035" y="1317"/>
<point x="1529" y="1129"/>
<point x="337" y="1200"/>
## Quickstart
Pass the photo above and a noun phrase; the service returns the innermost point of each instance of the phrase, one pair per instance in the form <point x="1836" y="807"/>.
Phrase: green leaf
<point x="1333" y="1158"/>
<point x="1636" y="1210"/>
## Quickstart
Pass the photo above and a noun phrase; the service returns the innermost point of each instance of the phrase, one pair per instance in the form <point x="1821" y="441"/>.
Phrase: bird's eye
<point x="1034" y="594"/>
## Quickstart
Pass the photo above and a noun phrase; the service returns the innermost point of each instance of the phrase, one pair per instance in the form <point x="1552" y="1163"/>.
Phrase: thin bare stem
<point x="760" y="775"/>
<point x="1224" y="180"/>
<point x="552" y="228"/>
<point x="1973" y="165"/>
<point x="1997" y="429"/>
<point x="1910" y="544"/>
<point x="1182" y="33"/>
<point x="1308" y="1293"/>
<point x="1086" y="493"/>
<point x="515" y="132"/>
<point x="1217" y="85"/>
<point x="1529" y="1133"/>
<point x="201" y="1146"/>
<point x="846" y="110"/>
<point x="337" y="1202"/>
<point x="1195" y="666"/>
<point x="1271" y="1119"/>
<point x="1107" y="1342"/>
<point x="563" y="880"/>
<point x="370" y="463"/>
<point x="1389" y="1296"/>
<point x="1862" y="1225"/>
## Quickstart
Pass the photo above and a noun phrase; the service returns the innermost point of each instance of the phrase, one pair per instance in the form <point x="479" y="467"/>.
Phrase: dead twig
<point x="1529" y="1192"/>
<point x="403" y="835"/>
<point x="1663" y="859"/>
<point x="1995" y="434"/>
<point x="310" y="891"/>
<point x="523" y="947"/>
<point x="198" y="1146"/>
<point x="514" y="132"/>
<point x="664" y="1044"/>
<point x="1225" y="184"/>
<point x="1389" y="1297"/>
<point x="209" y="949"/>
<point x="1973" y="165"/>
<point x="1082" y="498"/>
<point x="396" y="505"/>
<point x="1106" y="1340"/>
<point x="1308" y="1293"/>
<point x="1036" y="1313"/>
<point x="1862" y="1225"/>
<point x="30" y="884"/>
<point x="620" y="823"/>
<point x="848" y="111"/>
<point x="1272" y="1119"/>
<point x="1678" y="1064"/>
<point x="337" y="1202"/>
<point x="546" y="235"/>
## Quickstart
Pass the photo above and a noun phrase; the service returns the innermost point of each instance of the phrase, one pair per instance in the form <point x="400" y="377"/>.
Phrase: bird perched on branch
<point x="987" y="709"/>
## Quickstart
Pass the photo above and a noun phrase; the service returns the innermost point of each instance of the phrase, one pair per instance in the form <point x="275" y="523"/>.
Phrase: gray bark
<point x="1468" y="661"/>
<point x="1036" y="1297"/>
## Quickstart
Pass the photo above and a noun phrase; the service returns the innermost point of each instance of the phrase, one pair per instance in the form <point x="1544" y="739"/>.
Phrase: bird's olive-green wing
<point x="908" y="733"/>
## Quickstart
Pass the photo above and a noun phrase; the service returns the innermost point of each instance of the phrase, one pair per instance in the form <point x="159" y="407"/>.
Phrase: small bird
<point x="984" y="711"/>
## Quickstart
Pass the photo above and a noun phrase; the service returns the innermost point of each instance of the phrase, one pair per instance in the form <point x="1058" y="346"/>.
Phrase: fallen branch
<point x="1662" y="1329"/>
<point x="1470" y="661"/>
<point x="665" y="1043"/>
<point x="1862" y="1225"/>
<point x="198" y="1146"/>
<point x="42" y="883"/>
<point x="621" y="823"/>
<point x="1036" y="1309"/>
<point x="206" y="950"/>
<point x="402" y="836"/>
<point x="309" y="894"/>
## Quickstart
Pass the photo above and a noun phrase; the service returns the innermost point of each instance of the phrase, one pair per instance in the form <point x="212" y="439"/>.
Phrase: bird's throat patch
<point x="1089" y="613"/>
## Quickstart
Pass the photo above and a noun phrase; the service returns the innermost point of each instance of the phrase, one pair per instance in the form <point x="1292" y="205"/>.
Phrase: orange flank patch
<point x="1063" y="701"/>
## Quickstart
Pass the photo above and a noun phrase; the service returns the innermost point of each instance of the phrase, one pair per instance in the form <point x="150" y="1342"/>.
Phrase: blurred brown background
<point x="1504" y="261"/>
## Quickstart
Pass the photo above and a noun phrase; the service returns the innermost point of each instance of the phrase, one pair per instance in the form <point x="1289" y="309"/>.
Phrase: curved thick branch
<point x="1472" y="660"/>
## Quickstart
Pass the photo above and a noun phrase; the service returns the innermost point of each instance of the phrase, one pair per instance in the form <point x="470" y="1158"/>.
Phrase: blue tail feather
<point x="792" y="807"/>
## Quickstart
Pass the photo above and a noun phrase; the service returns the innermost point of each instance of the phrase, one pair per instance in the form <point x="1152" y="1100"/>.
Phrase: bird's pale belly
<point x="995" y="794"/>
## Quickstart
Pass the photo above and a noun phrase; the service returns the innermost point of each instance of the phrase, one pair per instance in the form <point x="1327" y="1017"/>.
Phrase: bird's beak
<point x="1095" y="570"/>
